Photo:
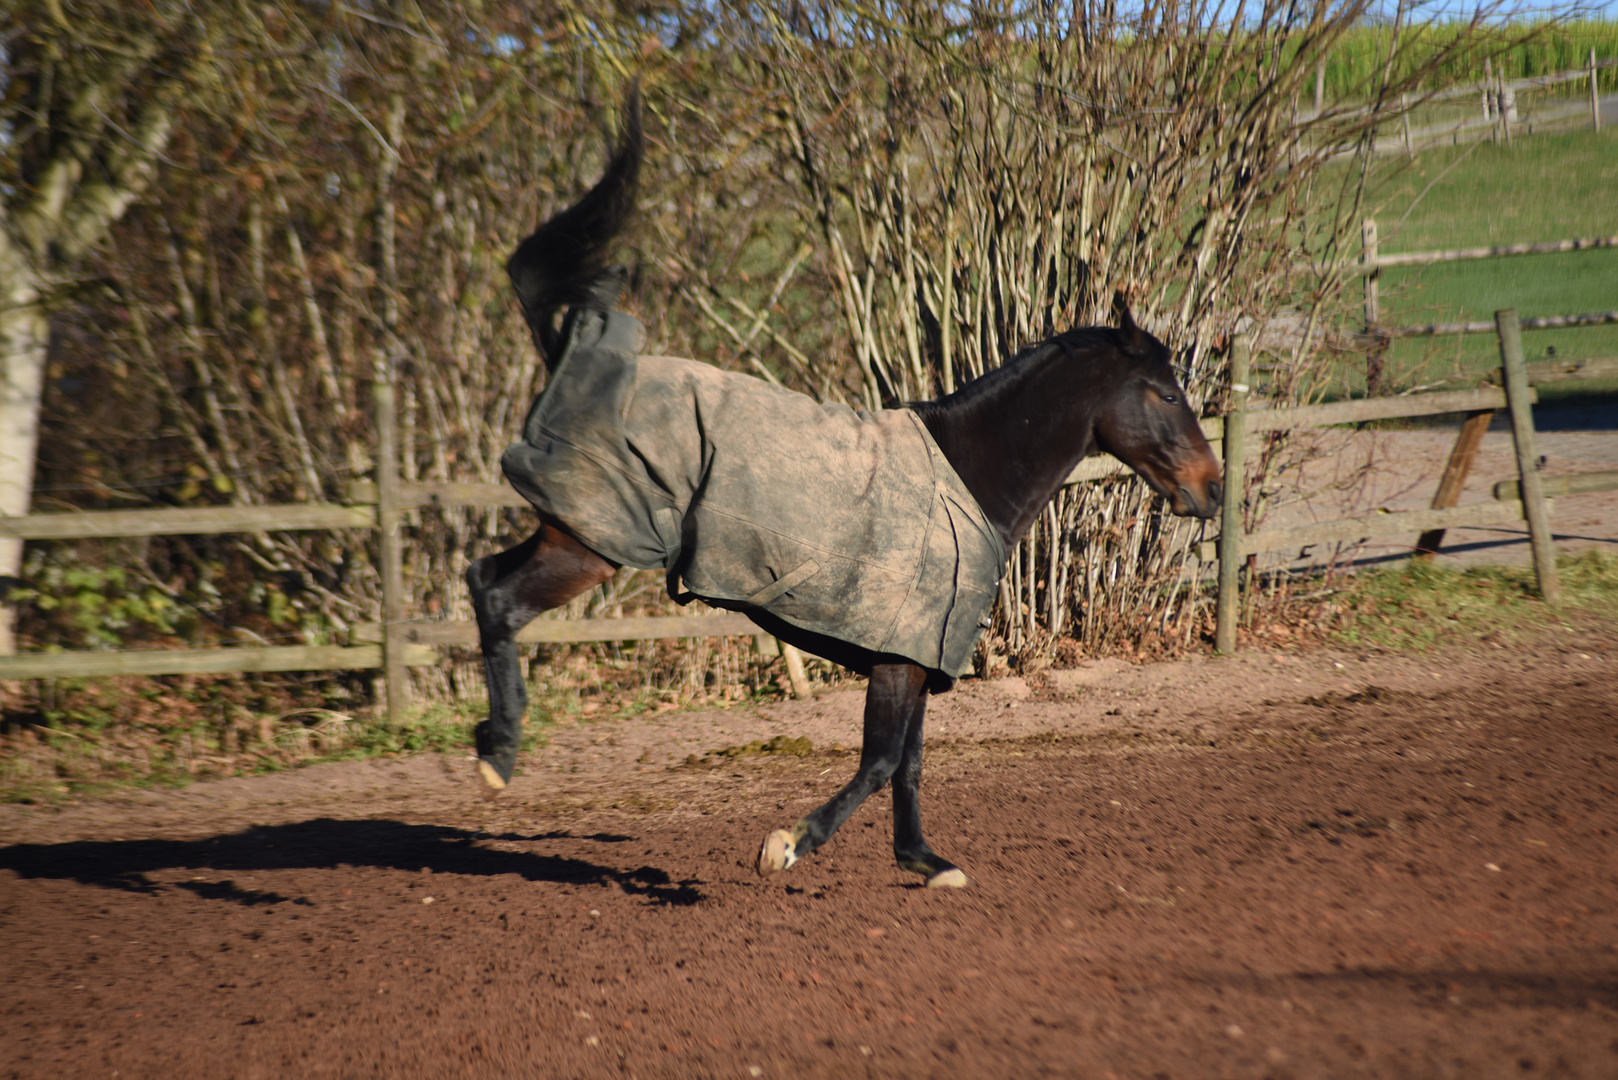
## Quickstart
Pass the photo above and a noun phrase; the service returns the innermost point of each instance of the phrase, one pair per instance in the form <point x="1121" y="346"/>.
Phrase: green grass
<point x="1549" y="187"/>
<point x="1425" y="605"/>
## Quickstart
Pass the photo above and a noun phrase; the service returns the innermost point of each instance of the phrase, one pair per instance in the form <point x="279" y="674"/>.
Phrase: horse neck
<point x="1015" y="435"/>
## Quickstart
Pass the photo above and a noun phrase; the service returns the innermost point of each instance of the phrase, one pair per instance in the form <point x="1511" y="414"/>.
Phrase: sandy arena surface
<point x="1275" y="865"/>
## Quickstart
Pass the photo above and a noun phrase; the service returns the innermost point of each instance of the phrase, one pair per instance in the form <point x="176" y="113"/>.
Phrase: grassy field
<point x="1550" y="187"/>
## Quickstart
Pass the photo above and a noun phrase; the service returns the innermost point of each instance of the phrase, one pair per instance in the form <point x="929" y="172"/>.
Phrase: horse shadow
<point x="328" y="844"/>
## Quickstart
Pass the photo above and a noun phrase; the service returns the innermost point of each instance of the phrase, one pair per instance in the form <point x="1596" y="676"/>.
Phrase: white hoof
<point x="780" y="851"/>
<point x="489" y="779"/>
<point x="947" y="879"/>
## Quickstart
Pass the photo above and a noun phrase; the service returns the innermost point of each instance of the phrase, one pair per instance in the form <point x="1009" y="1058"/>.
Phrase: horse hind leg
<point x="508" y="590"/>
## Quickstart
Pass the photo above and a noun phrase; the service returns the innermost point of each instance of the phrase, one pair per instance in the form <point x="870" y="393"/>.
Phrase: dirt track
<point x="1182" y="870"/>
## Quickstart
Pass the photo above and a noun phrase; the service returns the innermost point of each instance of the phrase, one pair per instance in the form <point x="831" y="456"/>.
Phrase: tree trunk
<point x="24" y="333"/>
<point x="41" y="240"/>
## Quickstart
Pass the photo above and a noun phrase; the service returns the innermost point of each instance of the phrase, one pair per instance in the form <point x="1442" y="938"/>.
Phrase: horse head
<point x="1148" y="425"/>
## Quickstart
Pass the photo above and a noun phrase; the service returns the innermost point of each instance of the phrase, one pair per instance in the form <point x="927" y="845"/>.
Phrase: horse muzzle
<point x="1188" y="502"/>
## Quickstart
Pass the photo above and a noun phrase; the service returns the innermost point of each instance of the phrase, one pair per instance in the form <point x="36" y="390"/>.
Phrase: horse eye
<point x="1170" y="399"/>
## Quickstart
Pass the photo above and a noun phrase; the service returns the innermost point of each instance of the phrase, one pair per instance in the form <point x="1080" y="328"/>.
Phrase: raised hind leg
<point x="894" y="705"/>
<point x="508" y="590"/>
<point x="910" y="848"/>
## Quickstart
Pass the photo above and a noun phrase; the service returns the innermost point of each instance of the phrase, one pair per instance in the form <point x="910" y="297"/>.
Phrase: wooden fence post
<point x="1375" y="354"/>
<point x="1514" y="370"/>
<point x="1368" y="257"/>
<point x="796" y="675"/>
<point x="1595" y="97"/>
<point x="1230" y="515"/>
<point x="1508" y="107"/>
<point x="390" y="520"/>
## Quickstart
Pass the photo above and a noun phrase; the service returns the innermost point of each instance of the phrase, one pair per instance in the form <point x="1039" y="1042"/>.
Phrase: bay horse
<point x="1011" y="437"/>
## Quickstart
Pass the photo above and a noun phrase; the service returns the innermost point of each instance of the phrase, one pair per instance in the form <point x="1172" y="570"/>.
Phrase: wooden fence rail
<point x="1371" y="262"/>
<point x="1497" y="251"/>
<point x="1557" y="486"/>
<point x="1498" y="97"/>
<point x="1533" y="82"/>
<point x="1370" y="526"/>
<point x="559" y="631"/>
<point x="78" y="665"/>
<point x="1543" y="322"/>
<point x="187" y="521"/>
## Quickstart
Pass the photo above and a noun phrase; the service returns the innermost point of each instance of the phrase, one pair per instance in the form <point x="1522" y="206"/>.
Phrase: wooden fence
<point x="1499" y="118"/>
<point x="1372" y="262"/>
<point x="398" y="641"/>
<point x="1526" y="498"/>
<point x="1499" y="113"/>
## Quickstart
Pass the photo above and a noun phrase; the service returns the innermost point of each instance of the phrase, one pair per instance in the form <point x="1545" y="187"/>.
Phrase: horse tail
<point x="563" y="262"/>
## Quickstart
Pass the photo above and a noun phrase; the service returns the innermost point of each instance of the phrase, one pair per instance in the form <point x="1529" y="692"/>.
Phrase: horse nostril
<point x="1216" y="492"/>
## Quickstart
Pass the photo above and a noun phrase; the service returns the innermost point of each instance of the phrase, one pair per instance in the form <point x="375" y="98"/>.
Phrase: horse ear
<point x="1120" y="311"/>
<point x="1136" y="340"/>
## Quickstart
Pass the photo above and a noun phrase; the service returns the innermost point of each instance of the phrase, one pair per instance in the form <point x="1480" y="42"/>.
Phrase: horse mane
<point x="984" y="393"/>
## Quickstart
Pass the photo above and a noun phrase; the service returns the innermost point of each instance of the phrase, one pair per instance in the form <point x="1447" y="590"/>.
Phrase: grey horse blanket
<point x="844" y="523"/>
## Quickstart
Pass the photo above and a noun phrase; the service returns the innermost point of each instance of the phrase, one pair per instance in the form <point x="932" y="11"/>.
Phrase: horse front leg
<point x="508" y="590"/>
<point x="898" y="693"/>
<point x="910" y="848"/>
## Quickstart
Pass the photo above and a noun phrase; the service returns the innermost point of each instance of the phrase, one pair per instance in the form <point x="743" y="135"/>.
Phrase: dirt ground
<point x="1329" y="864"/>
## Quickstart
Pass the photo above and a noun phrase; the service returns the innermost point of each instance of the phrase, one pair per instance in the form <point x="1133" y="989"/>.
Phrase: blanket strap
<point x="781" y="584"/>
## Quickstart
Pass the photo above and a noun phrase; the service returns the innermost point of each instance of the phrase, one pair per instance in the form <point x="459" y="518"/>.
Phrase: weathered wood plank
<point x="1546" y="371"/>
<point x="390" y="522"/>
<point x="442" y="493"/>
<point x="1543" y="322"/>
<point x="1382" y="408"/>
<point x="1230" y="507"/>
<point x="1535" y="508"/>
<point x="416" y="493"/>
<point x="72" y="665"/>
<point x="1369" y="526"/>
<point x="1577" y="484"/>
<point x="1098" y="467"/>
<point x="1428" y="258"/>
<point x="564" y="631"/>
<point x="188" y="521"/>
<point x="1450" y="485"/>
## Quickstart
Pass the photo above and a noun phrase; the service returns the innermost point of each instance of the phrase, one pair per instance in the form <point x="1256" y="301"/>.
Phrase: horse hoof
<point x="489" y="779"/>
<point x="780" y="851"/>
<point x="948" y="879"/>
